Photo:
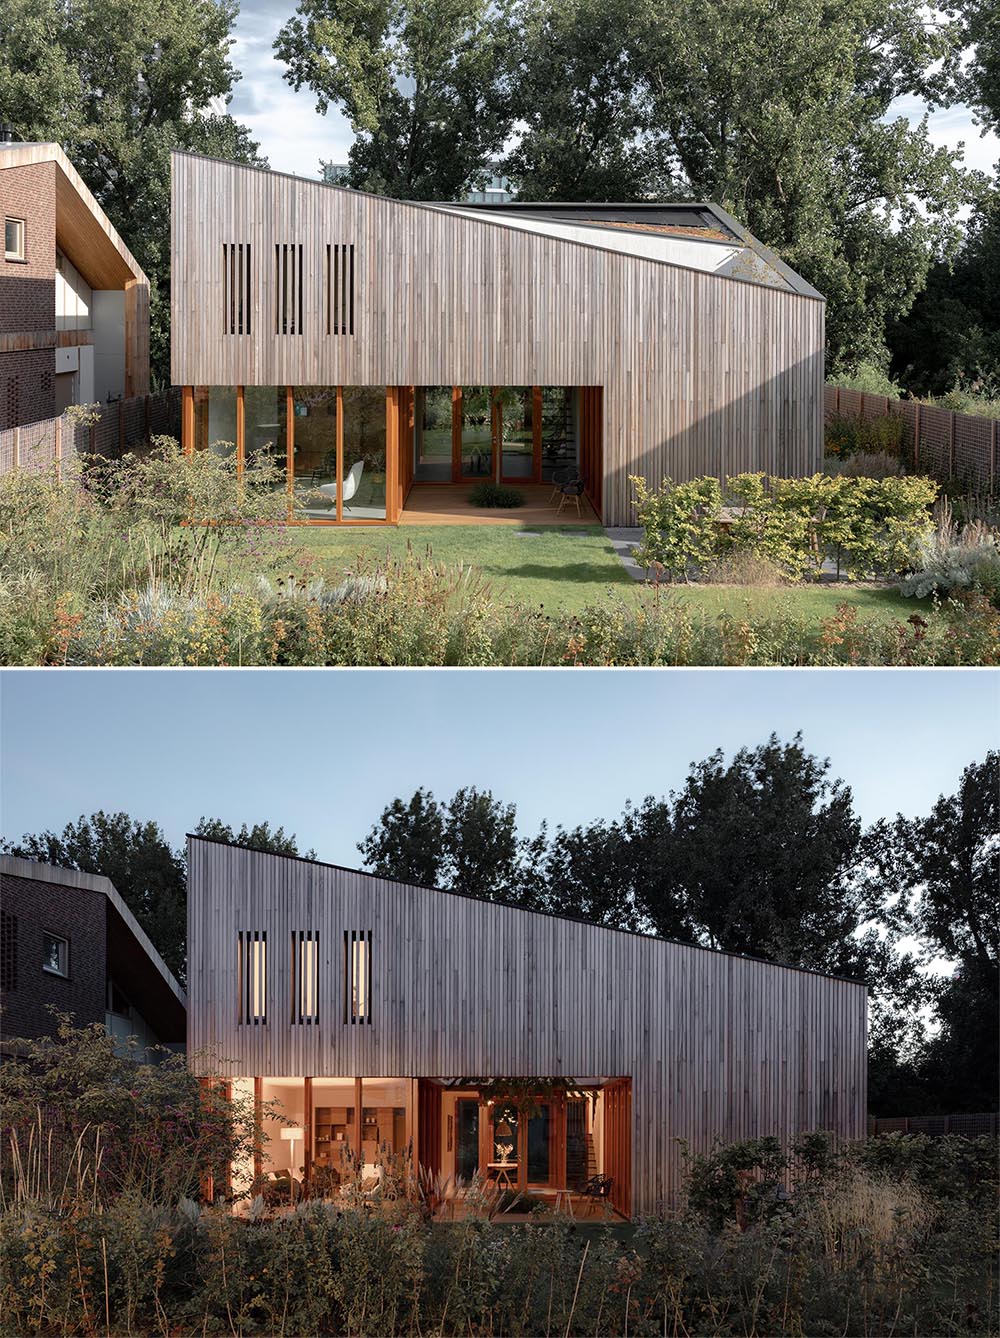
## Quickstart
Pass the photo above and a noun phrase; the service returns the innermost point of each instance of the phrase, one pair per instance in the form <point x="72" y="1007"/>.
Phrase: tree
<point x="580" y="105"/>
<point x="119" y="83"/>
<point x="407" y="841"/>
<point x="779" y="114"/>
<point x="258" y="837"/>
<point x="137" y="858"/>
<point x="422" y="82"/>
<point x="939" y="876"/>
<point x="469" y="844"/>
<point x="760" y="853"/>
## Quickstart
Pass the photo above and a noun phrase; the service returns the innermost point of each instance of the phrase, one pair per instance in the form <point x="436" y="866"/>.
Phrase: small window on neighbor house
<point x="13" y="239"/>
<point x="252" y="976"/>
<point x="235" y="288"/>
<point x="339" y="299"/>
<point x="8" y="951"/>
<point x="305" y="976"/>
<point x="357" y="975"/>
<point x="288" y="288"/>
<point x="55" y="954"/>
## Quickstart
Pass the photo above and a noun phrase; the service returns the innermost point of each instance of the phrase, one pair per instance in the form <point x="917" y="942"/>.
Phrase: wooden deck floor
<point x="448" y="504"/>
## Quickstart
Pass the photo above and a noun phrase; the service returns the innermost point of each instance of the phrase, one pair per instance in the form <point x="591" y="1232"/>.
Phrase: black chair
<point x="560" y="477"/>
<point x="598" y="1189"/>
<point x="573" y="490"/>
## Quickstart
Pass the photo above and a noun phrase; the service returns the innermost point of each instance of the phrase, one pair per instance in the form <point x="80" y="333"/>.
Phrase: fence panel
<point x="936" y="1126"/>
<point x="937" y="441"/>
<point x="124" y="425"/>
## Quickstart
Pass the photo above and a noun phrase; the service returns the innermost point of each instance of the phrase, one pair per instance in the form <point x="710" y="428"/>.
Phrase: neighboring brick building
<point x="67" y="939"/>
<point x="74" y="304"/>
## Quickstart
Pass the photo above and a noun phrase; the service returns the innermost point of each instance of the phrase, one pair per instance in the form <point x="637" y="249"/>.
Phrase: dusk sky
<point x="321" y="752"/>
<point x="294" y="137"/>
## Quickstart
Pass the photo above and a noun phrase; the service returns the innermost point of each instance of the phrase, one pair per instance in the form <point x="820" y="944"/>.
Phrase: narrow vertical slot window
<point x="340" y="289"/>
<point x="358" y="976"/>
<point x="235" y="288"/>
<point x="326" y="290"/>
<point x="252" y="976"/>
<point x="305" y="976"/>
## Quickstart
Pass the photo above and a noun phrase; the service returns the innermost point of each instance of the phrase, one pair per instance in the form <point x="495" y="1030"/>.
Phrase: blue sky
<point x="295" y="137"/>
<point x="321" y="752"/>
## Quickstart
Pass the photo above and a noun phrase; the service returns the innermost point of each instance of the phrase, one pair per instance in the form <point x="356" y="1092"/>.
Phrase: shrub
<point x="864" y="464"/>
<point x="496" y="495"/>
<point x="847" y="435"/>
<point x="868" y="525"/>
<point x="871" y="378"/>
<point x="953" y="558"/>
<point x="679" y="523"/>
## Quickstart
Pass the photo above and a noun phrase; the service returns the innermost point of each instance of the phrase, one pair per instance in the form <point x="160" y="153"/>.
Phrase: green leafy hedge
<point x="868" y="527"/>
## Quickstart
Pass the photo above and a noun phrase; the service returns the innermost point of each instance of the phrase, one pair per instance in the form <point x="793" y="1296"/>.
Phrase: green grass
<point x="565" y="569"/>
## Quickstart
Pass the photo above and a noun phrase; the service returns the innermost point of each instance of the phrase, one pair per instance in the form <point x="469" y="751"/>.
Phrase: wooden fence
<point x="936" y="1126"/>
<point x="122" y="426"/>
<point x="937" y="442"/>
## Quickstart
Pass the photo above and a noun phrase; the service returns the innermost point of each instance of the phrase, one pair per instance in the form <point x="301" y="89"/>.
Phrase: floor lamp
<point x="292" y="1136"/>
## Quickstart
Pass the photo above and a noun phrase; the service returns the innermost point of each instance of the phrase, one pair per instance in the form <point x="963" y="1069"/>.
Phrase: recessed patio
<point x="448" y="504"/>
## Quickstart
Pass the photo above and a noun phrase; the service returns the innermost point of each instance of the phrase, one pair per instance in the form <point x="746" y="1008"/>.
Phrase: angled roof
<point x="684" y="234"/>
<point x="522" y="910"/>
<point x="84" y="233"/>
<point x="137" y="966"/>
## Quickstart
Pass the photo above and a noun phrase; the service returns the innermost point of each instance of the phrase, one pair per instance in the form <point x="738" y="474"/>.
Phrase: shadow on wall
<point x="776" y="428"/>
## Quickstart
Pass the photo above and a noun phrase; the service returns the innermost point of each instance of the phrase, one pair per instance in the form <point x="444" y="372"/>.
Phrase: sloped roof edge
<point x="799" y="287"/>
<point x="26" y="154"/>
<point x="525" y="910"/>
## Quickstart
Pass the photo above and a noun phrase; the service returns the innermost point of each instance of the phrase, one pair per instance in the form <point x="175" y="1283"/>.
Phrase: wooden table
<point x="501" y="1173"/>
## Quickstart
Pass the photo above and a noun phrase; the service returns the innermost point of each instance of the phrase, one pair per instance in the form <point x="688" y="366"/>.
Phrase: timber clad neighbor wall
<point x="700" y="374"/>
<point x="714" y="1045"/>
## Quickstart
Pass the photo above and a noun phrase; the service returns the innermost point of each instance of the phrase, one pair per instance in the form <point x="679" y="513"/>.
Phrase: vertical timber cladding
<point x="700" y="373"/>
<point x="713" y="1045"/>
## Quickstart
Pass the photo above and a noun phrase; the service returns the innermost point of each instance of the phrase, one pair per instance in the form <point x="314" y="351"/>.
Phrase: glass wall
<point x="477" y="432"/>
<point x="315" y="450"/>
<point x="333" y="1132"/>
<point x="215" y="419"/>
<point x="466" y="1137"/>
<point x="264" y="430"/>
<point x="432" y="434"/>
<point x="560" y="435"/>
<point x="364" y="409"/>
<point x="538" y="1147"/>
<point x="518" y="460"/>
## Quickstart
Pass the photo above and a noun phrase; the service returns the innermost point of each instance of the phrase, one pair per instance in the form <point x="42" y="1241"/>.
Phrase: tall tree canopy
<point x="119" y="83"/>
<point x="781" y="114"/>
<point x="424" y="84"/>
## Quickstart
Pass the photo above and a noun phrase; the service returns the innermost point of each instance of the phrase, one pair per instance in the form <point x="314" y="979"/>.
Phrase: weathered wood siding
<point x="716" y="1045"/>
<point x="701" y="374"/>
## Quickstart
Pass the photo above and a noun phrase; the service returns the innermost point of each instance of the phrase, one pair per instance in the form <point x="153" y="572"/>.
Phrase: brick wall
<point x="27" y="387"/>
<point x="29" y="909"/>
<point x="28" y="293"/>
<point x="28" y="288"/>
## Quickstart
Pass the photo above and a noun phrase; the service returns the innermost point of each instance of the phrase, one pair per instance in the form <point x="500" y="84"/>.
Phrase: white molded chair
<point x="350" y="484"/>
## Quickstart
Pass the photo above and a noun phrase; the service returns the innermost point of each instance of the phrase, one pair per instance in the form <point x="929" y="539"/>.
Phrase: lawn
<point x="565" y="569"/>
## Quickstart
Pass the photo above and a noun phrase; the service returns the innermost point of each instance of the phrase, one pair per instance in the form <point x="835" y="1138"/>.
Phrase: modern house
<point x="534" y="1050"/>
<point x="74" y="303"/>
<point x="67" y="939"/>
<point x="388" y="354"/>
